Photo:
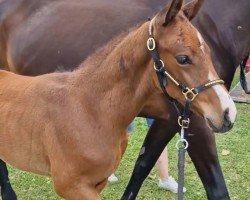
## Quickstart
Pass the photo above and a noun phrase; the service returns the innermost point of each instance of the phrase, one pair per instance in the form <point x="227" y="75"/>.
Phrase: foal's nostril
<point x="227" y="121"/>
<point x="227" y="125"/>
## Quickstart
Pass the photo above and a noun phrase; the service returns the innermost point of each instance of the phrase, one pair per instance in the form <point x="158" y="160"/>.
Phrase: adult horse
<point x="36" y="126"/>
<point x="42" y="25"/>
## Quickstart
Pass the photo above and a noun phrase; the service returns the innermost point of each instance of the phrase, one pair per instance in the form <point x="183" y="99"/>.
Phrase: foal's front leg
<point x="76" y="188"/>
<point x="7" y="192"/>
<point x="77" y="175"/>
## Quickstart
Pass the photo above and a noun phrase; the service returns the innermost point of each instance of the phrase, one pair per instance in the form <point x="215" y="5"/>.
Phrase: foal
<point x="72" y="126"/>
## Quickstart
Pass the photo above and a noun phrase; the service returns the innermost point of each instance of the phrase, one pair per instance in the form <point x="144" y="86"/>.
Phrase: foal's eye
<point x="183" y="60"/>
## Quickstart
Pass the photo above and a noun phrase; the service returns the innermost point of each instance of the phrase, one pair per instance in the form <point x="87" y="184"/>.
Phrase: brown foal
<point x="72" y="126"/>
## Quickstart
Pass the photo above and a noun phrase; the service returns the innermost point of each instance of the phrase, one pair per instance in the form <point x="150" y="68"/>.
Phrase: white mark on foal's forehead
<point x="200" y="38"/>
<point x="201" y="41"/>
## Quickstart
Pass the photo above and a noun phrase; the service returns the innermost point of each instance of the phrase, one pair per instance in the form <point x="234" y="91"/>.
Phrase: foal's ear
<point x="173" y="11"/>
<point x="192" y="8"/>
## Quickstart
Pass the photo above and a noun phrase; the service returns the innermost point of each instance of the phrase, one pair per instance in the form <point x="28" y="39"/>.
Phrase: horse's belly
<point x="22" y="162"/>
<point x="21" y="138"/>
<point x="23" y="153"/>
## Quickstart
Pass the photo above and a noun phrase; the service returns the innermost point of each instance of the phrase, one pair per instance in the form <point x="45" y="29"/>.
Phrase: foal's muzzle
<point x="226" y="125"/>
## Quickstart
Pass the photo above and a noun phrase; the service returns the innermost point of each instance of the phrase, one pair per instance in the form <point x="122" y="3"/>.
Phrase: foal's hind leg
<point x="7" y="192"/>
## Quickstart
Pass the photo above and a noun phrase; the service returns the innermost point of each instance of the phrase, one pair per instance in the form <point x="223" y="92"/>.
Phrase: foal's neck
<point x="121" y="80"/>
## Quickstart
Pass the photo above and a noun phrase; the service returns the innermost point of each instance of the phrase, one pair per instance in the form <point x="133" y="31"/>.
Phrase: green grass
<point x="235" y="168"/>
<point x="236" y="78"/>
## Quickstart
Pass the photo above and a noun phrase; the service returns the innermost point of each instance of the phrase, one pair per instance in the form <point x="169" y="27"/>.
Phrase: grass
<point x="236" y="78"/>
<point x="235" y="167"/>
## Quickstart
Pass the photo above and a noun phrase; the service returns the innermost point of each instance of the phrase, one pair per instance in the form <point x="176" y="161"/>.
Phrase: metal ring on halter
<point x="183" y="123"/>
<point x="189" y="94"/>
<point x="151" y="44"/>
<point x="162" y="66"/>
<point x="183" y="142"/>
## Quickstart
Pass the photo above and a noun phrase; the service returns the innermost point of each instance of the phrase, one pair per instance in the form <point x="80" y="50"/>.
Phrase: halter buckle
<point x="151" y="44"/>
<point x="183" y="123"/>
<point x="189" y="93"/>
<point x="162" y="66"/>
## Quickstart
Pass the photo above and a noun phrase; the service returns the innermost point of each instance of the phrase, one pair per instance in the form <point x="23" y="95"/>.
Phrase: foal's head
<point x="187" y="59"/>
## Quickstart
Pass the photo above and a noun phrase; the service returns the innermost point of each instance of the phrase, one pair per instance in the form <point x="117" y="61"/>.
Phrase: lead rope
<point x="182" y="145"/>
<point x="189" y="94"/>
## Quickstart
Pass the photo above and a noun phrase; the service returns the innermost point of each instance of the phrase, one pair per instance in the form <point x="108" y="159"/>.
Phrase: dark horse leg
<point x="152" y="149"/>
<point x="6" y="190"/>
<point x="202" y="150"/>
<point x="203" y="153"/>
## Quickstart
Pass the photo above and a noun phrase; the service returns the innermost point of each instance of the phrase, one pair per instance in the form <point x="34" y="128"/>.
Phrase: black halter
<point x="189" y="94"/>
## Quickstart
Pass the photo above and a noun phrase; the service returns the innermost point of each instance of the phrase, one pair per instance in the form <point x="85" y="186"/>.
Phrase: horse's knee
<point x="101" y="185"/>
<point x="75" y="189"/>
<point x="61" y="185"/>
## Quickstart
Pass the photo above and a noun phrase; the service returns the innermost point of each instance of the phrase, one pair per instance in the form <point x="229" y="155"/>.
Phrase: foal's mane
<point x="98" y="56"/>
